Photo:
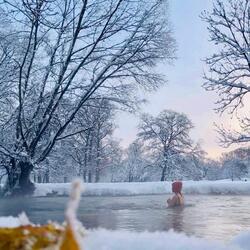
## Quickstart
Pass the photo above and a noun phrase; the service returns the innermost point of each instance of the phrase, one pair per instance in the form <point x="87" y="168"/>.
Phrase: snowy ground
<point x="136" y="188"/>
<point x="102" y="239"/>
<point x="117" y="240"/>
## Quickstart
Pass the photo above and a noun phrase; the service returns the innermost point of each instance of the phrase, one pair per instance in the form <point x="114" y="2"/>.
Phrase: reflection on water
<point x="214" y="217"/>
<point x="176" y="219"/>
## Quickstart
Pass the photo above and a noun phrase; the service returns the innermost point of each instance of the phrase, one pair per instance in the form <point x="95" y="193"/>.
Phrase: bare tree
<point x="167" y="136"/>
<point x="229" y="67"/>
<point x="77" y="50"/>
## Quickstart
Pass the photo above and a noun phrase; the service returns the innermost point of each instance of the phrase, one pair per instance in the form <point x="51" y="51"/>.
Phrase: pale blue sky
<point x="183" y="92"/>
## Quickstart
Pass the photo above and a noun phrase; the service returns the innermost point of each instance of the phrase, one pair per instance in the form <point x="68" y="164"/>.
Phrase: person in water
<point x="177" y="199"/>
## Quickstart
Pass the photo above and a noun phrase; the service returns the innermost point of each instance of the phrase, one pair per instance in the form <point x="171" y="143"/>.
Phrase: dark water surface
<point x="207" y="216"/>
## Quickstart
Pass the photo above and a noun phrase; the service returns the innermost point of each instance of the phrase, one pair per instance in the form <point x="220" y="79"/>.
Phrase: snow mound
<point x="140" y="188"/>
<point x="9" y="221"/>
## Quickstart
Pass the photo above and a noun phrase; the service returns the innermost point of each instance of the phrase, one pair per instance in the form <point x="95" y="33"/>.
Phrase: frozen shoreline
<point x="146" y="188"/>
<point x="103" y="239"/>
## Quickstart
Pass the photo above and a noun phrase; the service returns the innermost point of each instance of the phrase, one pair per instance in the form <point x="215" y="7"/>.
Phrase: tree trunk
<point x="130" y="177"/>
<point x="39" y="179"/>
<point x="97" y="175"/>
<point x="85" y="162"/>
<point x="85" y="176"/>
<point x="98" y="155"/>
<point x="90" y="159"/>
<point x="163" y="173"/>
<point x="22" y="184"/>
<point x="90" y="177"/>
<point x="46" y="177"/>
<point x="165" y="164"/>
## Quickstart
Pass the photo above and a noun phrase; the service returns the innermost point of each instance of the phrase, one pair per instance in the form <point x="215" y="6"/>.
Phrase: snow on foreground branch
<point x="140" y="188"/>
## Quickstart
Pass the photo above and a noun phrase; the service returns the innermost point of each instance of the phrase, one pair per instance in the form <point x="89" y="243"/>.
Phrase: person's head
<point x="176" y="187"/>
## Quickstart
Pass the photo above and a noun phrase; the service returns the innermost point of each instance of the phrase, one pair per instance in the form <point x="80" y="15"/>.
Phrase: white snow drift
<point x="139" y="188"/>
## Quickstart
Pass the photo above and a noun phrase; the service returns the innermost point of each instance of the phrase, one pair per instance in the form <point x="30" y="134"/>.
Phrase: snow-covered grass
<point x="137" y="188"/>
<point x="101" y="239"/>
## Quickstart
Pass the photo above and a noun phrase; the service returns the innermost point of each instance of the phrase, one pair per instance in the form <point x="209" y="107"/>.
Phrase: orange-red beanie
<point x="177" y="186"/>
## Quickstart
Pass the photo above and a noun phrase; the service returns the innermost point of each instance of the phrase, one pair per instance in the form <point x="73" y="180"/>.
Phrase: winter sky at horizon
<point x="183" y="91"/>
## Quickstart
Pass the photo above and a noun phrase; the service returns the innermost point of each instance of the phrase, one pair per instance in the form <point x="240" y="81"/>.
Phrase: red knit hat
<point x="177" y="186"/>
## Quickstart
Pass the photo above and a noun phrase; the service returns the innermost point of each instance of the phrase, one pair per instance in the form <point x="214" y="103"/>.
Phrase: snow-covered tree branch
<point x="67" y="53"/>
<point x="229" y="67"/>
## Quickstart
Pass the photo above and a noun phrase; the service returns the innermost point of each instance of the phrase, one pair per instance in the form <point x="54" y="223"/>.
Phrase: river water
<point x="207" y="216"/>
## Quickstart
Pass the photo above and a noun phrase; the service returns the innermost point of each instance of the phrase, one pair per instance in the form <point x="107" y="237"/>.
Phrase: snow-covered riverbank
<point x="137" y="188"/>
<point x="102" y="239"/>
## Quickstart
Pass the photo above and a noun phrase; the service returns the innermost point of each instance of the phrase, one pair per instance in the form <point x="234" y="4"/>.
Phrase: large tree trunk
<point x="19" y="180"/>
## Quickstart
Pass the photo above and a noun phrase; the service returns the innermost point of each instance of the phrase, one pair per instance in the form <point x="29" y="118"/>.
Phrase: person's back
<point x="177" y="199"/>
